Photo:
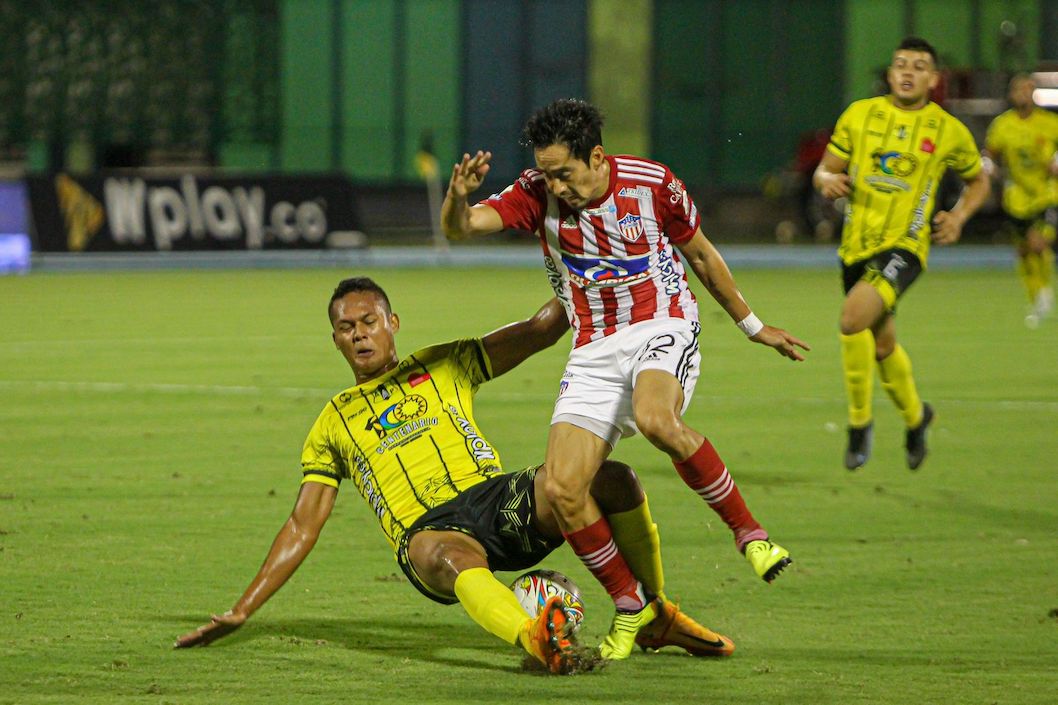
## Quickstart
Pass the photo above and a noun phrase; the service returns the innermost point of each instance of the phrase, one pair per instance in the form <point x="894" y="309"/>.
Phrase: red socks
<point x="705" y="473"/>
<point x="595" y="547"/>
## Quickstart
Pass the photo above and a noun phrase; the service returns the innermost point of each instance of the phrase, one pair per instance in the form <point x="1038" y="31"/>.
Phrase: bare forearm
<point x="973" y="196"/>
<point x="455" y="217"/>
<point x="712" y="271"/>
<point x="292" y="544"/>
<point x="510" y="345"/>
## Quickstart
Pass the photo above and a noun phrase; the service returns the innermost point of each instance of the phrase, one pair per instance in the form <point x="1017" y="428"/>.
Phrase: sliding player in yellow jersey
<point x="887" y="156"/>
<point x="405" y="438"/>
<point x="1023" y="140"/>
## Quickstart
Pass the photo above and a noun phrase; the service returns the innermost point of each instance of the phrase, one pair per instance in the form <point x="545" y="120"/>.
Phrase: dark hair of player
<point x="919" y="44"/>
<point x="577" y="124"/>
<point x="356" y="285"/>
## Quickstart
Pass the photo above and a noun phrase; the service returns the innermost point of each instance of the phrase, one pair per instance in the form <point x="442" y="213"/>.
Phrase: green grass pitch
<point x="150" y="430"/>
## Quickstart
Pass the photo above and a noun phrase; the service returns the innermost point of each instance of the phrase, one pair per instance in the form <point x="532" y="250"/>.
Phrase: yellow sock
<point x="636" y="536"/>
<point x="491" y="604"/>
<point x="1029" y="273"/>
<point x="857" y="358"/>
<point x="897" y="381"/>
<point x="1046" y="268"/>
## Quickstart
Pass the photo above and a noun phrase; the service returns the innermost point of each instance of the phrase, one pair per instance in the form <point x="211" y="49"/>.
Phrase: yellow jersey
<point x="1026" y="147"/>
<point x="407" y="440"/>
<point x="896" y="159"/>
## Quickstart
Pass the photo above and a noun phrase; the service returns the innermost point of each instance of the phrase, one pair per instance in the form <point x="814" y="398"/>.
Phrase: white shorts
<point x="596" y="389"/>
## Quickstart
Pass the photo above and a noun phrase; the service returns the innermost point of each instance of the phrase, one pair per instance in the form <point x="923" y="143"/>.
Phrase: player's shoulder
<point x="640" y="170"/>
<point x="935" y="111"/>
<point x="531" y="180"/>
<point x="1002" y="121"/>
<point x="864" y="106"/>
<point x="438" y="354"/>
<point x="1046" y="116"/>
<point x="530" y="183"/>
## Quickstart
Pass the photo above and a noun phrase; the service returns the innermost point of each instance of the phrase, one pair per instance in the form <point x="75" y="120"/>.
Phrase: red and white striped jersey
<point x="612" y="263"/>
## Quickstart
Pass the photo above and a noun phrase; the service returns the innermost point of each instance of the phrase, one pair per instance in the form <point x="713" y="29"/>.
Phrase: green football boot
<point x="767" y="558"/>
<point x="623" y="630"/>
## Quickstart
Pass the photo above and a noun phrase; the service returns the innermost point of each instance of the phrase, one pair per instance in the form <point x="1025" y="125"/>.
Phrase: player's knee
<point x="438" y="559"/>
<point x="883" y="348"/>
<point x="662" y="427"/>
<point x="616" y="488"/>
<point x="566" y="493"/>
<point x="851" y="323"/>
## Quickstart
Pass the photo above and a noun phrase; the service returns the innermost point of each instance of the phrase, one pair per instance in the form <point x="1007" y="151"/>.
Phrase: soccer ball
<point x="534" y="588"/>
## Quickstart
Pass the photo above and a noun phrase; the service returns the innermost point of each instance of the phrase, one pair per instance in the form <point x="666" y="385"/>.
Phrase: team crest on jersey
<point x="631" y="227"/>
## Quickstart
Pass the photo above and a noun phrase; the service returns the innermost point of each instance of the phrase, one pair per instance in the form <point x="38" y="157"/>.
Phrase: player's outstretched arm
<point x="458" y="219"/>
<point x="512" y="344"/>
<point x="712" y="271"/>
<point x="947" y="225"/>
<point x="292" y="544"/>
<point x="830" y="178"/>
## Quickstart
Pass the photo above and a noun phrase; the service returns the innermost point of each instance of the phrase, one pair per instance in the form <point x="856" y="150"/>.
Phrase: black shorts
<point x="1045" y="222"/>
<point x="498" y="514"/>
<point x="891" y="272"/>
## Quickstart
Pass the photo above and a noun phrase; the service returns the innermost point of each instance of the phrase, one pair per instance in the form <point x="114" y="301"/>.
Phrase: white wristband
<point x="750" y="325"/>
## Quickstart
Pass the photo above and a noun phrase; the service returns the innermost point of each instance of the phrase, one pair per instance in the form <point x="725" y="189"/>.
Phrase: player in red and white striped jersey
<point x="609" y="227"/>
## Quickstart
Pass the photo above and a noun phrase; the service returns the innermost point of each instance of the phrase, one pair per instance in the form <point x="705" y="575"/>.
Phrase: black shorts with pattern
<point x="894" y="268"/>
<point x="498" y="514"/>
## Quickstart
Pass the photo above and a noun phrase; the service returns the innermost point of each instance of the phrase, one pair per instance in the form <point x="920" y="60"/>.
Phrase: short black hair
<point x="577" y="124"/>
<point x="356" y="284"/>
<point x="919" y="44"/>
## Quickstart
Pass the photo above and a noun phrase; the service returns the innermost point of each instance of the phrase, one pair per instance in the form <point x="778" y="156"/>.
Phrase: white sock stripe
<point x="728" y="491"/>
<point x="719" y="492"/>
<point x="724" y="477"/>
<point x="601" y="557"/>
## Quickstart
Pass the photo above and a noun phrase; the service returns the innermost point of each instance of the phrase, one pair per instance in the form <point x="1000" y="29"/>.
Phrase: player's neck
<point x="604" y="181"/>
<point x="1025" y="112"/>
<point x="380" y="372"/>
<point x="916" y="105"/>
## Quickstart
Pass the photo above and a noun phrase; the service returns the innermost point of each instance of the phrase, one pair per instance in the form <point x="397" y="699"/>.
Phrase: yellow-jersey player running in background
<point x="405" y="437"/>
<point x="887" y="156"/>
<point x="1023" y="140"/>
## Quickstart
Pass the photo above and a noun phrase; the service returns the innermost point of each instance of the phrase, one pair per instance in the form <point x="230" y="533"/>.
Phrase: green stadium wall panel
<point x="307" y="71"/>
<point x="687" y="79"/>
<point x="1010" y="52"/>
<point x="370" y="84"/>
<point x="619" y="72"/>
<point x="872" y="30"/>
<point x="433" y="50"/>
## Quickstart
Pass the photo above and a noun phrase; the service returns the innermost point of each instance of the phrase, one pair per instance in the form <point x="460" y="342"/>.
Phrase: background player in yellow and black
<point x="887" y="156"/>
<point x="406" y="438"/>
<point x="1023" y="140"/>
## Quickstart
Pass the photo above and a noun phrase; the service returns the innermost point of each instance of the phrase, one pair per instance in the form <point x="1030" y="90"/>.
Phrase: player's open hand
<point x="783" y="343"/>
<point x="834" y="186"/>
<point x="947" y="228"/>
<point x="220" y="626"/>
<point x="468" y="174"/>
